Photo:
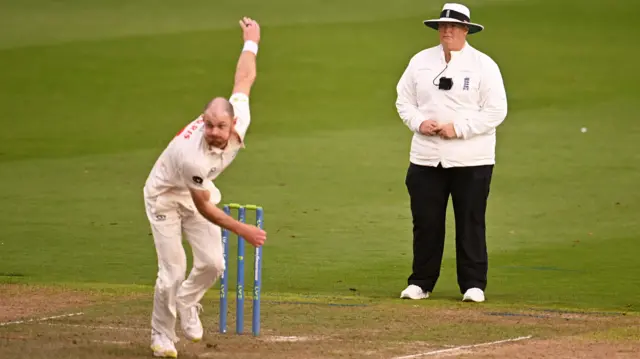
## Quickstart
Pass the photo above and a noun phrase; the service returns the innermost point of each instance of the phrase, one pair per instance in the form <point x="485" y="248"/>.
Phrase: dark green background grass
<point x="91" y="92"/>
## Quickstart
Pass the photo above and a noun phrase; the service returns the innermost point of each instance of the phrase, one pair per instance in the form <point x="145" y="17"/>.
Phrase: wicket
<point x="255" y="324"/>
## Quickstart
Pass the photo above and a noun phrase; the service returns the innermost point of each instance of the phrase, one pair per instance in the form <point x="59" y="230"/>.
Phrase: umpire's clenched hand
<point x="447" y="131"/>
<point x="428" y="127"/>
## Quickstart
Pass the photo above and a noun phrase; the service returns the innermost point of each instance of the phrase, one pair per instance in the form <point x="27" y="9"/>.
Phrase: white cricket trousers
<point x="169" y="217"/>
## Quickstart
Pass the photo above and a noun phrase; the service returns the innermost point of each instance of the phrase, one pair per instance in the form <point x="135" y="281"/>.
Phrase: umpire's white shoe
<point x="191" y="324"/>
<point x="473" y="295"/>
<point x="414" y="292"/>
<point x="162" y="346"/>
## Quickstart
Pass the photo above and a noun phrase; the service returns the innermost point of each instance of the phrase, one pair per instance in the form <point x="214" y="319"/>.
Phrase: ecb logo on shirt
<point x="465" y="86"/>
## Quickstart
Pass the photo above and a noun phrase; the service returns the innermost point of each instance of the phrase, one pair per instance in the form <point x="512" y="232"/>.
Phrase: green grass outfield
<point x="90" y="92"/>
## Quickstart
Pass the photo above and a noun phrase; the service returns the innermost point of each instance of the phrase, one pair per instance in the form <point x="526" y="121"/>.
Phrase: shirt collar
<point x="454" y="54"/>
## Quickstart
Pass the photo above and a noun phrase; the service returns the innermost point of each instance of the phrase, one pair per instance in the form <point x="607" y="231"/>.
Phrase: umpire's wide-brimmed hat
<point x="456" y="13"/>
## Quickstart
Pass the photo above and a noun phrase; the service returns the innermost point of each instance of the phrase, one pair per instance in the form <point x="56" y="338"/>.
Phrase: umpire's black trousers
<point x="429" y="189"/>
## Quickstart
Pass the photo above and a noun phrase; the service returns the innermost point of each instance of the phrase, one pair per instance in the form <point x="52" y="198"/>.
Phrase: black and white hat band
<point x="452" y="14"/>
<point x="455" y="13"/>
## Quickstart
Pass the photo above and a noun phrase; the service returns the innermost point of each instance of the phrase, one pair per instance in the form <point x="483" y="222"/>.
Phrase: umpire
<point x="452" y="98"/>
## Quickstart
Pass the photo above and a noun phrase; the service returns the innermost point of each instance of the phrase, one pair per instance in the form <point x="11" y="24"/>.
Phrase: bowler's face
<point x="217" y="130"/>
<point x="452" y="34"/>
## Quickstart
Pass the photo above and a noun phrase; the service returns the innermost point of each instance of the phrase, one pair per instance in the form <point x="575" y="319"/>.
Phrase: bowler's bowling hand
<point x="253" y="235"/>
<point x="447" y="131"/>
<point x="428" y="127"/>
<point x="250" y="29"/>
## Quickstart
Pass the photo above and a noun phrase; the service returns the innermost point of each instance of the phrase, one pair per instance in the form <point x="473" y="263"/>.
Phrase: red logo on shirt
<point x="189" y="129"/>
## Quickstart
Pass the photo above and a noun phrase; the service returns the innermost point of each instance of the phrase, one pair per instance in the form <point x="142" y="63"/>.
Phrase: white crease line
<point x="96" y="327"/>
<point x="441" y="351"/>
<point x="41" y="319"/>
<point x="118" y="342"/>
<point x="289" y="339"/>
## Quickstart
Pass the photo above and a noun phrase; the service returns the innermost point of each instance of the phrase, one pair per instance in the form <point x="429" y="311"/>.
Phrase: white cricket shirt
<point x="188" y="161"/>
<point x="476" y="105"/>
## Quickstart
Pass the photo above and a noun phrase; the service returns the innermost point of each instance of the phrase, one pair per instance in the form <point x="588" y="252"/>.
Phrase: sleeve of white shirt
<point x="493" y="106"/>
<point x="407" y="100"/>
<point x="194" y="176"/>
<point x="240" y="103"/>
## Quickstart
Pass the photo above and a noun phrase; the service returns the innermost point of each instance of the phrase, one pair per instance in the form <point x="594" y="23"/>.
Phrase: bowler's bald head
<point x="219" y="108"/>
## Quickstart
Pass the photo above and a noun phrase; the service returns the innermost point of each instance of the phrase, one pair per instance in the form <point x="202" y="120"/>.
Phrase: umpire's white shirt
<point x="476" y="105"/>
